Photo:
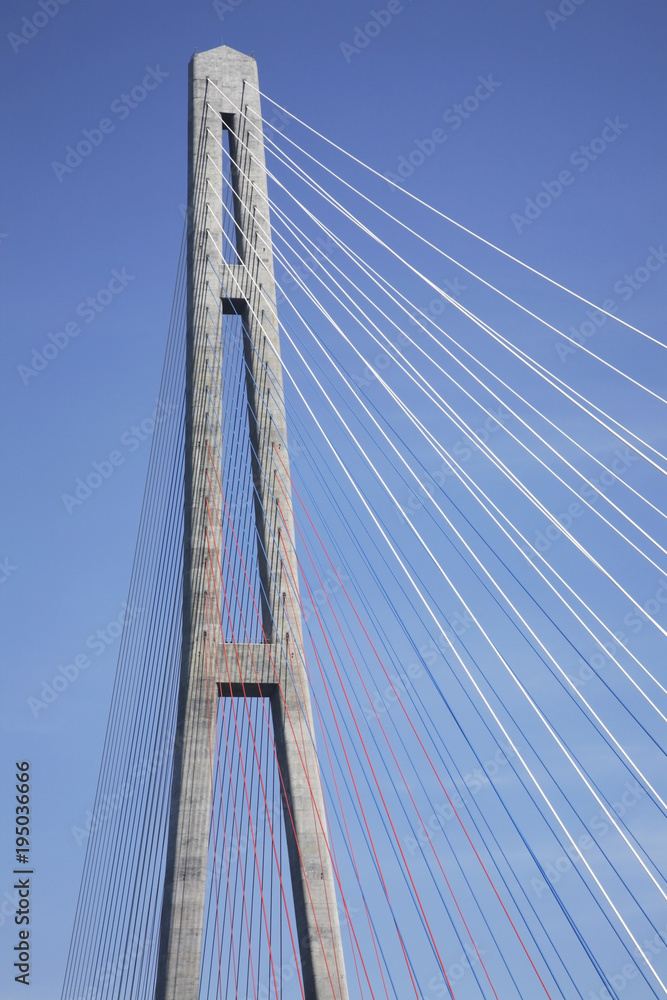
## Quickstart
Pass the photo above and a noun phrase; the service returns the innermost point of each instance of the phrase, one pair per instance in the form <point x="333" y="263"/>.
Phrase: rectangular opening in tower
<point x="250" y="943"/>
<point x="234" y="582"/>
<point x="232" y="186"/>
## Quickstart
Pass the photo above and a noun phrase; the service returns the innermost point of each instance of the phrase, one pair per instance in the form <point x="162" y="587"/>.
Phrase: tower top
<point x="229" y="69"/>
<point x="223" y="49"/>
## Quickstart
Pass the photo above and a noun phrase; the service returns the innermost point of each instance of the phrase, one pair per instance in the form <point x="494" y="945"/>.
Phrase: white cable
<point x="396" y="399"/>
<point x="326" y="730"/>
<point x="464" y="603"/>
<point x="213" y="241"/>
<point x="467" y="270"/>
<point x="380" y="283"/>
<point x="589" y="610"/>
<point x="477" y="688"/>
<point x="453" y="528"/>
<point x="432" y="614"/>
<point x="508" y="345"/>
<point x="313" y="184"/>
<point x="544" y="510"/>
<point x="254" y="313"/>
<point x="442" y="215"/>
<point x="521" y="355"/>
<point x="394" y="347"/>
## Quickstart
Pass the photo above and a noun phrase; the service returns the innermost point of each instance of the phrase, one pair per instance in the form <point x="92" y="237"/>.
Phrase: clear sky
<point x="569" y="115"/>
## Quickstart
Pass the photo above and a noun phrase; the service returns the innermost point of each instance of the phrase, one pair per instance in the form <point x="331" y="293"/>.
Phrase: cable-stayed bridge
<point x="391" y="721"/>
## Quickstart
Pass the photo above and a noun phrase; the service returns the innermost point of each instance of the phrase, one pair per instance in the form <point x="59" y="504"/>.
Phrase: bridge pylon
<point x="234" y="276"/>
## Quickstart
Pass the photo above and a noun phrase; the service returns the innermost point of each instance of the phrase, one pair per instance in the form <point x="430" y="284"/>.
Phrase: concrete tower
<point x="223" y="95"/>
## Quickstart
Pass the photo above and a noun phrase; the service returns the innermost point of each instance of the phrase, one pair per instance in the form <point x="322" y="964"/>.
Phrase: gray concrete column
<point x="275" y="668"/>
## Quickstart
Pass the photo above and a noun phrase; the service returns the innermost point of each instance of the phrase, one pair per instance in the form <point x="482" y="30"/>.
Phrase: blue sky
<point x="568" y="104"/>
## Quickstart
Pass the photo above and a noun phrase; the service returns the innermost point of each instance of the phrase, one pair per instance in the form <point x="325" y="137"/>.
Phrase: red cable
<point x="213" y="825"/>
<point x="264" y="710"/>
<point x="365" y="819"/>
<point x="245" y="784"/>
<point x="354" y="862"/>
<point x="288" y="596"/>
<point x="288" y="715"/>
<point x="284" y="703"/>
<point x="418" y="738"/>
<point x="377" y="784"/>
<point x="247" y="709"/>
<point x="391" y="750"/>
<point x="238" y="839"/>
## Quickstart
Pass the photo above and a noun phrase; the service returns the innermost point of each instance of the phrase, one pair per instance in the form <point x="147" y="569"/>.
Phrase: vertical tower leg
<point x="221" y="98"/>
